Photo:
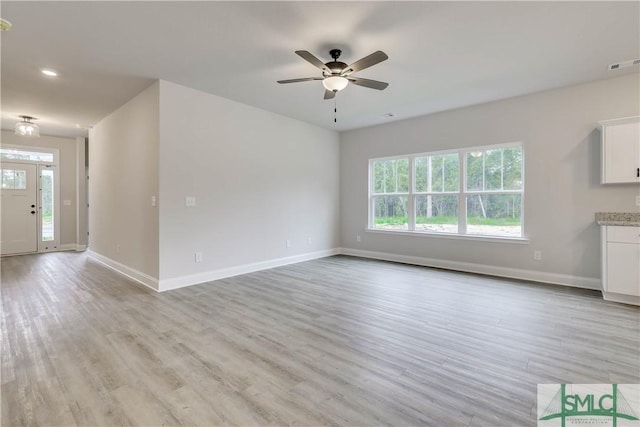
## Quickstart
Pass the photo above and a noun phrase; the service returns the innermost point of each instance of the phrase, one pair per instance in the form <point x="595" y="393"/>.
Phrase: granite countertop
<point x="618" y="218"/>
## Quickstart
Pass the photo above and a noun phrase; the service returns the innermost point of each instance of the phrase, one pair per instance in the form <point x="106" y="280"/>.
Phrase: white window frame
<point x="462" y="195"/>
<point x="408" y="194"/>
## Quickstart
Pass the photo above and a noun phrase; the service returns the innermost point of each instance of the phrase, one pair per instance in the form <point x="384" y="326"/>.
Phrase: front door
<point x="18" y="213"/>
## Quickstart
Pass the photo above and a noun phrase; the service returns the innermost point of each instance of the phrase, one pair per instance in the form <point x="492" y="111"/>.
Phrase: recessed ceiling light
<point x="49" y="73"/>
<point x="4" y="25"/>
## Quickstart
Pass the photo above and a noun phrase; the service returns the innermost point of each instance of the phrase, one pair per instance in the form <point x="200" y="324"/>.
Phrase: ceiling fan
<point x="336" y="75"/>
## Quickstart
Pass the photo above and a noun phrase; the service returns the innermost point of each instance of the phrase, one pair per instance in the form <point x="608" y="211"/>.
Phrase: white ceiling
<point x="442" y="55"/>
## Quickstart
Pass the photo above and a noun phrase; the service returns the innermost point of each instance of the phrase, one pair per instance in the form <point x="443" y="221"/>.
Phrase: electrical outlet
<point x="357" y="238"/>
<point x="287" y="243"/>
<point x="153" y="200"/>
<point x="537" y="255"/>
<point x="190" y="201"/>
<point x="308" y="241"/>
<point x="198" y="257"/>
<point x="118" y="249"/>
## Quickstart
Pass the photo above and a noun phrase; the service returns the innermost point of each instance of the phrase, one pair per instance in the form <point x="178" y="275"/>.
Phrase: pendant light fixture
<point x="26" y="128"/>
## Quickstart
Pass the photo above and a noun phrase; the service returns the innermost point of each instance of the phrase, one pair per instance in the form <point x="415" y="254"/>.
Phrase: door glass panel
<point x="47" y="205"/>
<point x="14" y="179"/>
<point x="20" y="182"/>
<point x="8" y="179"/>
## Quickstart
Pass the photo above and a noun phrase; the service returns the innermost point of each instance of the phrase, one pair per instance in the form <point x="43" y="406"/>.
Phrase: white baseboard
<point x="72" y="247"/>
<point x="138" y="276"/>
<point x="208" y="276"/>
<point x="491" y="270"/>
<point x="625" y="299"/>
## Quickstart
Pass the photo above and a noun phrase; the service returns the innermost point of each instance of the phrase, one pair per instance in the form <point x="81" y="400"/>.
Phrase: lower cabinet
<point x="621" y="264"/>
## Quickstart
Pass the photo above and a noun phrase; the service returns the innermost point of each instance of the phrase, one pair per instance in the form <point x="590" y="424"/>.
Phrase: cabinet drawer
<point x="623" y="234"/>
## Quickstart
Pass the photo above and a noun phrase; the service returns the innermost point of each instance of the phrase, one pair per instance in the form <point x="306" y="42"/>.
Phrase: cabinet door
<point x="623" y="268"/>
<point x="622" y="153"/>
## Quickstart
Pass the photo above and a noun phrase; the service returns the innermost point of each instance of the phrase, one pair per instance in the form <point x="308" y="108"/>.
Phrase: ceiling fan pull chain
<point x="335" y="110"/>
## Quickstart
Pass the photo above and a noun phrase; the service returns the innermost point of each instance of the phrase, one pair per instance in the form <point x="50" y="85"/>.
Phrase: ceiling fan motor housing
<point x="335" y="66"/>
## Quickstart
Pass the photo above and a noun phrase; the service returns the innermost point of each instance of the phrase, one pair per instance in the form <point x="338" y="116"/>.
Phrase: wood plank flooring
<point x="336" y="341"/>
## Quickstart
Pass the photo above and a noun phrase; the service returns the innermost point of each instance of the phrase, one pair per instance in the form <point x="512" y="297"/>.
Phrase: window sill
<point x="453" y="236"/>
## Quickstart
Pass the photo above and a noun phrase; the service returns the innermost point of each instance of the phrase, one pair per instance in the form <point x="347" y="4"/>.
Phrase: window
<point x="476" y="191"/>
<point x="494" y="192"/>
<point x="391" y="193"/>
<point x="17" y="154"/>
<point x="14" y="179"/>
<point x="46" y="205"/>
<point x="437" y="184"/>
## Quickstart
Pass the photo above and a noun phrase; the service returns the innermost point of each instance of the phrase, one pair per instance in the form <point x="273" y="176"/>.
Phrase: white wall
<point x="72" y="216"/>
<point x="259" y="179"/>
<point x="123" y="176"/>
<point x="561" y="143"/>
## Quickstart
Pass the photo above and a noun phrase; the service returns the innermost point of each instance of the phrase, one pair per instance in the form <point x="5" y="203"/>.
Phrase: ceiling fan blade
<point x="373" y="84"/>
<point x="304" y="79"/>
<point x="307" y="56"/>
<point x="329" y="94"/>
<point x="366" y="62"/>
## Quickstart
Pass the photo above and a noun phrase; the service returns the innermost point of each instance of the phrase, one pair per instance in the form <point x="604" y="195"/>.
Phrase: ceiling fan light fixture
<point x="5" y="25"/>
<point x="335" y="83"/>
<point x="26" y="128"/>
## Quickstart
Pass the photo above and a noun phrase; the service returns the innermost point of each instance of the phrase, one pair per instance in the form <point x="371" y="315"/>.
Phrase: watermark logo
<point x="593" y="405"/>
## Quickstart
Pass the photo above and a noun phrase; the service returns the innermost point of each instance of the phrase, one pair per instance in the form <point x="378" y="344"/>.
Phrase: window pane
<point x="422" y="174"/>
<point x="494" y="214"/>
<point x="390" y="212"/>
<point x="12" y="154"/>
<point x="475" y="172"/>
<point x="47" y="206"/>
<point x="391" y="176"/>
<point x="437" y="213"/>
<point x="451" y="173"/>
<point x="493" y="169"/>
<point x="513" y="168"/>
<point x="20" y="182"/>
<point x="8" y="179"/>
<point x="438" y="173"/>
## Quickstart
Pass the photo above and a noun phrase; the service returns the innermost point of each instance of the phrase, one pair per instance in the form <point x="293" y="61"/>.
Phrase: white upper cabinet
<point x="620" y="150"/>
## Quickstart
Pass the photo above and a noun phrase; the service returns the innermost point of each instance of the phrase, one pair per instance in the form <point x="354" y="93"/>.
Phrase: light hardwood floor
<point x="336" y="341"/>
